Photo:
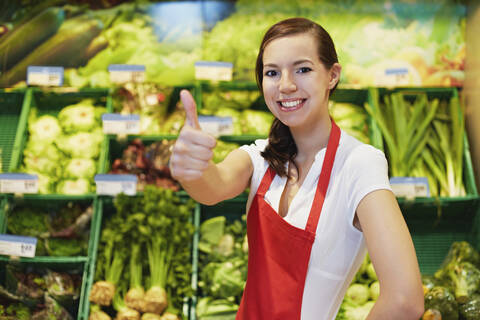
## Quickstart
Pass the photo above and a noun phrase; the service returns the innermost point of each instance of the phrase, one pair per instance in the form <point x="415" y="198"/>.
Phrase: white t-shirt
<point x="339" y="248"/>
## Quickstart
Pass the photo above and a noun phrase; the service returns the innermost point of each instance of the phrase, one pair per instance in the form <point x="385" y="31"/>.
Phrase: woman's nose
<point x="287" y="83"/>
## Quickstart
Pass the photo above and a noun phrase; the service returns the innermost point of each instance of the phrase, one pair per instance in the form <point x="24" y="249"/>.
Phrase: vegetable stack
<point x="223" y="267"/>
<point x="424" y="138"/>
<point x="63" y="151"/>
<point x="144" y="263"/>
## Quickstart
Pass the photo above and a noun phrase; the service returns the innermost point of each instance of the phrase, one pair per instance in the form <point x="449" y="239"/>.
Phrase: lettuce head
<point x="45" y="129"/>
<point x="74" y="187"/>
<point x="78" y="117"/>
<point x="81" y="145"/>
<point x="80" y="168"/>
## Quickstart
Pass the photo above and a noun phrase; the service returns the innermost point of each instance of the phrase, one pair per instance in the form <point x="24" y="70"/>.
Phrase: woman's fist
<point x="193" y="150"/>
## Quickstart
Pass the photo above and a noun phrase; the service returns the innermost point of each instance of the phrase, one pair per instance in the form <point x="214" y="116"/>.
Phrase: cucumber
<point x="66" y="49"/>
<point x="27" y="36"/>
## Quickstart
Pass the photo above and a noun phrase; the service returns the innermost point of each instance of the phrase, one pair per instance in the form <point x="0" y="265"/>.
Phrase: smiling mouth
<point x="291" y="105"/>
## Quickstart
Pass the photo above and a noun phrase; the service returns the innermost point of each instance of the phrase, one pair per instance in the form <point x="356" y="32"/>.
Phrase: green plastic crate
<point x="11" y="104"/>
<point x="72" y="266"/>
<point x="50" y="102"/>
<point x="104" y="208"/>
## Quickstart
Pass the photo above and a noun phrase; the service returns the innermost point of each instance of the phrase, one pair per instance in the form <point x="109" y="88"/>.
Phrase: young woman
<point x="318" y="197"/>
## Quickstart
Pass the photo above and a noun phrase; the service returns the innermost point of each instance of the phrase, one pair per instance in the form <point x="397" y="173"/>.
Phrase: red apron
<point x="279" y="253"/>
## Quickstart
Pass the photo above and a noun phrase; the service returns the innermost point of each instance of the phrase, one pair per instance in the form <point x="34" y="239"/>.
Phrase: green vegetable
<point x="471" y="309"/>
<point x="80" y="168"/>
<point x="159" y="259"/>
<point x="81" y="145"/>
<point x="27" y="222"/>
<point x="17" y="310"/>
<point x="374" y="290"/>
<point x="97" y="314"/>
<point x="135" y="296"/>
<point x="124" y="312"/>
<point x="78" y="117"/>
<point x="103" y="291"/>
<point x="465" y="279"/>
<point x="358" y="293"/>
<point x="257" y="122"/>
<point x="441" y="299"/>
<point x="45" y="129"/>
<point x="222" y="149"/>
<point x="73" y="187"/>
<point x="65" y="247"/>
<point x="207" y="308"/>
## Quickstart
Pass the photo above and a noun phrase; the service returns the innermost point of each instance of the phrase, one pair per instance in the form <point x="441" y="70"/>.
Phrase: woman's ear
<point x="335" y="71"/>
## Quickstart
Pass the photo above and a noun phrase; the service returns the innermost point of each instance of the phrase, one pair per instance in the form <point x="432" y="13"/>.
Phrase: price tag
<point x="122" y="73"/>
<point x="115" y="123"/>
<point x="20" y="246"/>
<point x="215" y="71"/>
<point x="410" y="187"/>
<point x="393" y="77"/>
<point x="18" y="183"/>
<point x="44" y="76"/>
<point x="113" y="184"/>
<point x="216" y="126"/>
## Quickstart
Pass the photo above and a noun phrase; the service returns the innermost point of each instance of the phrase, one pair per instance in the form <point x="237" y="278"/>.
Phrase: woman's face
<point x="295" y="83"/>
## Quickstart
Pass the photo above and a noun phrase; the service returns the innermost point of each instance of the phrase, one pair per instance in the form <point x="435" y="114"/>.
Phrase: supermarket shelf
<point x="46" y="259"/>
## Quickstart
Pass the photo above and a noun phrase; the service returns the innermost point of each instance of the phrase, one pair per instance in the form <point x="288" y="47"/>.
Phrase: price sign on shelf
<point x="20" y="246"/>
<point x="216" y="126"/>
<point x="410" y="187"/>
<point x="18" y="183"/>
<point x="115" y="123"/>
<point x="113" y="184"/>
<point x="44" y="76"/>
<point x="393" y="77"/>
<point x="123" y="73"/>
<point x="213" y="70"/>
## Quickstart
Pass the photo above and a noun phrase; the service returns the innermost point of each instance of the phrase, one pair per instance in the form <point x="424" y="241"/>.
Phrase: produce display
<point x="144" y="261"/>
<point x="423" y="138"/>
<point x="33" y="294"/>
<point x="60" y="231"/>
<point x="222" y="149"/>
<point x="63" y="150"/>
<point x="223" y="249"/>
<point x="351" y="118"/>
<point x="149" y="163"/>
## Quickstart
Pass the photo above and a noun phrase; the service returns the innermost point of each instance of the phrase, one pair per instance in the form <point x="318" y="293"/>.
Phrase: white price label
<point x="113" y="184"/>
<point x="20" y="246"/>
<point x="410" y="187"/>
<point x="121" y="124"/>
<point x="18" y="183"/>
<point x="123" y="73"/>
<point x="44" y="76"/>
<point x="393" y="77"/>
<point x="216" y="126"/>
<point x="215" y="71"/>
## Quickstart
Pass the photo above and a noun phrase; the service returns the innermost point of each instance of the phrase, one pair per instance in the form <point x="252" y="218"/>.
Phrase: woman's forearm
<point x="397" y="307"/>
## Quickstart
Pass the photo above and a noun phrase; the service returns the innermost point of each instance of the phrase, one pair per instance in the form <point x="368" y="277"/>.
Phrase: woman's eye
<point x="271" y="73"/>
<point x="304" y="70"/>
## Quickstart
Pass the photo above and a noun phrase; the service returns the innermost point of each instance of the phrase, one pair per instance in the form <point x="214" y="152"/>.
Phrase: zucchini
<point x="27" y="36"/>
<point x="66" y="48"/>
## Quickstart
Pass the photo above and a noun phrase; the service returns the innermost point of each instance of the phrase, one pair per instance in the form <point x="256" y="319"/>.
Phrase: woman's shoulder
<point x="358" y="154"/>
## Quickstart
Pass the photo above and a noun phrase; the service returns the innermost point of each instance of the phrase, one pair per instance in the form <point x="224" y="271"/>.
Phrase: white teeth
<point x="290" y="104"/>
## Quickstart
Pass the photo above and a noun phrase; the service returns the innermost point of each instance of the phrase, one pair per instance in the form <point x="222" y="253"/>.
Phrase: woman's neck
<point x="310" y="141"/>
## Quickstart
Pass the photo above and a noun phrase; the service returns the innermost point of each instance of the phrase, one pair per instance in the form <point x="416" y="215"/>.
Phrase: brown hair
<point x="281" y="147"/>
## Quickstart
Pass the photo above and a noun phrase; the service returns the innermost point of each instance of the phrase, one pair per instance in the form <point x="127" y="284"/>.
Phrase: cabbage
<point x="42" y="150"/>
<point x="74" y="187"/>
<point x="45" y="129"/>
<point x="80" y="168"/>
<point x="257" y="122"/>
<point x="358" y="293"/>
<point x="78" y="117"/>
<point x="41" y="165"/>
<point x="81" y="145"/>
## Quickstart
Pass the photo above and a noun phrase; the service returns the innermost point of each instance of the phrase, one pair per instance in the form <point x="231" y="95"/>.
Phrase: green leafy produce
<point x="257" y="122"/>
<point x="78" y="117"/>
<point x="80" y="168"/>
<point x="74" y="187"/>
<point x="470" y="310"/>
<point x="465" y="279"/>
<point x="45" y="129"/>
<point x="135" y="297"/>
<point x="18" y="311"/>
<point x="209" y="309"/>
<point x="103" y="291"/>
<point x="358" y="293"/>
<point x="351" y="118"/>
<point x="81" y="145"/>
<point x="96" y="313"/>
<point x="123" y="311"/>
<point x="442" y="299"/>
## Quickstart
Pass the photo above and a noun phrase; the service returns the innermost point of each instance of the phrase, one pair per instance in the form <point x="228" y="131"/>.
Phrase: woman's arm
<point x="393" y="256"/>
<point x="191" y="165"/>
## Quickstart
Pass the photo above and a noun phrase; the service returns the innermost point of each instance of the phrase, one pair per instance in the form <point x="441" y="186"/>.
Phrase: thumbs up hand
<point x="193" y="150"/>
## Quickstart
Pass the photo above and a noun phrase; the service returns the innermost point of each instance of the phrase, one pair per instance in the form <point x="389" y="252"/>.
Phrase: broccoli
<point x="441" y="299"/>
<point x="471" y="309"/>
<point x="465" y="279"/>
<point x="459" y="251"/>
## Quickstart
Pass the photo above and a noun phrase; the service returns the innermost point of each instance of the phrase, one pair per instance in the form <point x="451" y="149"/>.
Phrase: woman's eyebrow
<point x="297" y="62"/>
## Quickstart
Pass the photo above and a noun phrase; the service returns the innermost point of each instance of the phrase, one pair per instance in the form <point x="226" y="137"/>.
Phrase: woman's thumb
<point x="190" y="109"/>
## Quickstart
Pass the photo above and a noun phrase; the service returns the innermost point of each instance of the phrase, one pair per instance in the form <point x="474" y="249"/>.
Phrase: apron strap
<point x="266" y="182"/>
<point x="324" y="179"/>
